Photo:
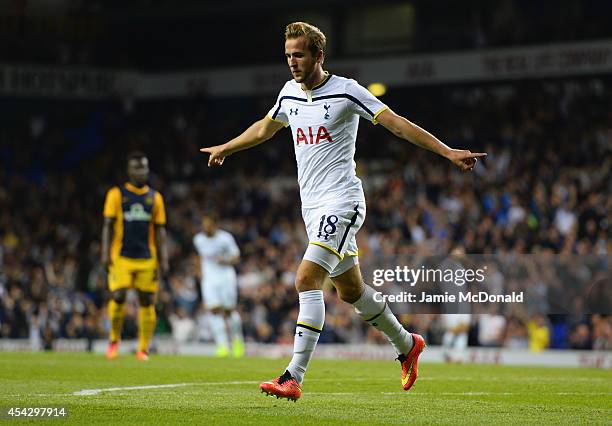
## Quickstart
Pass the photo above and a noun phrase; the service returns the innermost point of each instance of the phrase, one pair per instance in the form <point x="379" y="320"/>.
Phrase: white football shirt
<point x="324" y="123"/>
<point x="220" y="246"/>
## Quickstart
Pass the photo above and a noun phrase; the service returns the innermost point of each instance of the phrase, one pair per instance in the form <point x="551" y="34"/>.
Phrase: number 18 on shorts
<point x="333" y="228"/>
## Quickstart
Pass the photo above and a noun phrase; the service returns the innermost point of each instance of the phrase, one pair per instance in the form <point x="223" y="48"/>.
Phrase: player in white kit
<point x="323" y="111"/>
<point x="219" y="253"/>
<point x="455" y="338"/>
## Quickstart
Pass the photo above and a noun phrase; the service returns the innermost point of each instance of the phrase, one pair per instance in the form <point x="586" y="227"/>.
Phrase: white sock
<point x="219" y="332"/>
<point x="235" y="326"/>
<point x="447" y="343"/>
<point x="309" y="325"/>
<point x="378" y="315"/>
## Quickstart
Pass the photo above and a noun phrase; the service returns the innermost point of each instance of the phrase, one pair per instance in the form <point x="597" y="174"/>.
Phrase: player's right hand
<point x="216" y="155"/>
<point x="465" y="159"/>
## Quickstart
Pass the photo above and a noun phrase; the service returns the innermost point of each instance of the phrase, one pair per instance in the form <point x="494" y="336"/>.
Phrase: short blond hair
<point x="316" y="38"/>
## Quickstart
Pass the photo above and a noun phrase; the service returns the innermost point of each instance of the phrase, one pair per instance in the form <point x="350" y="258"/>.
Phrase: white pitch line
<point x="85" y="392"/>
<point x="498" y="393"/>
<point x="88" y="392"/>
<point x="512" y="379"/>
<point x="416" y="393"/>
<point x="169" y="385"/>
<point x="126" y="388"/>
<point x="177" y="385"/>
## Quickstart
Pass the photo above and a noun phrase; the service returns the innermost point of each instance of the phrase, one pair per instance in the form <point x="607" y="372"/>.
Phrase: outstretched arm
<point x="258" y="132"/>
<point x="162" y="248"/>
<point x="405" y="129"/>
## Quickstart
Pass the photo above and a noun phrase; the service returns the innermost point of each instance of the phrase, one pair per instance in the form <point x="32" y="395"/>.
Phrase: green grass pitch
<point x="225" y="391"/>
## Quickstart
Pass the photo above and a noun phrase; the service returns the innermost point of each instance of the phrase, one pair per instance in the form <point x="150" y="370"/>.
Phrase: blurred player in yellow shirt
<point x="133" y="251"/>
<point x="539" y="334"/>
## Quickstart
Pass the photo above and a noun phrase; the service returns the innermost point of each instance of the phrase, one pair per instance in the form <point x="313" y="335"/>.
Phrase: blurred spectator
<point x="602" y="332"/>
<point x="580" y="338"/>
<point x="516" y="334"/>
<point x="491" y="329"/>
<point x="539" y="333"/>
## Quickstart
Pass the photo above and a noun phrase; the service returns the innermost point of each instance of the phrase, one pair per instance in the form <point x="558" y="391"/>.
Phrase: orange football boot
<point x="142" y="356"/>
<point x="410" y="362"/>
<point x="283" y="386"/>
<point x="112" y="352"/>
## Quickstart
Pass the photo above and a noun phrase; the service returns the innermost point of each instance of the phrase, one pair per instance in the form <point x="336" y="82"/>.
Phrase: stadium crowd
<point x="543" y="189"/>
<point x="31" y="34"/>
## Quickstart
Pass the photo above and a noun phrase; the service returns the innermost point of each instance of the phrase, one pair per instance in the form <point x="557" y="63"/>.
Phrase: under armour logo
<point x="327" y="107"/>
<point x="299" y="333"/>
<point x="292" y="111"/>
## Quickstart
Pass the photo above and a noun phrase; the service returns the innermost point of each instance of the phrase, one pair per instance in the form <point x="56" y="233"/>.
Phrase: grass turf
<point x="225" y="391"/>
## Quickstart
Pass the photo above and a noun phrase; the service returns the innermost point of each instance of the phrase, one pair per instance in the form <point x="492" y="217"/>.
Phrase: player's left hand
<point x="465" y="159"/>
<point x="216" y="155"/>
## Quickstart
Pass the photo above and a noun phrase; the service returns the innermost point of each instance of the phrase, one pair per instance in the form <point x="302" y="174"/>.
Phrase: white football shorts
<point x="332" y="231"/>
<point x="220" y="294"/>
